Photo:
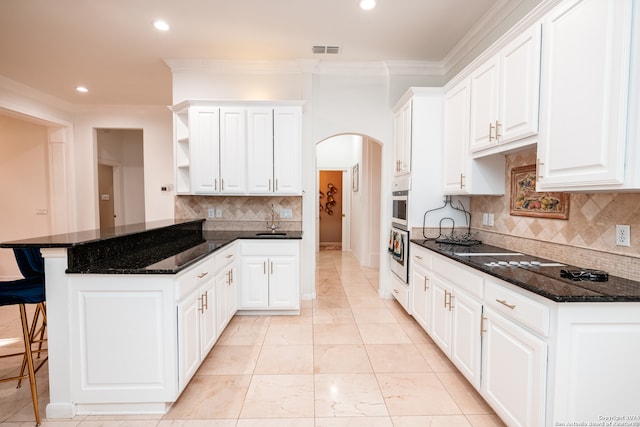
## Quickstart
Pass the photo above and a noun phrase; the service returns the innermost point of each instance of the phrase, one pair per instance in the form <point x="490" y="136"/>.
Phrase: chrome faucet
<point x="274" y="224"/>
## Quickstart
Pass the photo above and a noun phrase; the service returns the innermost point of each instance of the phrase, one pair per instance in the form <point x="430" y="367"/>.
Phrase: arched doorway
<point x="356" y="162"/>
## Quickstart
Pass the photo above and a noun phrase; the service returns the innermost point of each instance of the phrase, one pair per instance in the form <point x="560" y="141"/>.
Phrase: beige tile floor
<point x="350" y="359"/>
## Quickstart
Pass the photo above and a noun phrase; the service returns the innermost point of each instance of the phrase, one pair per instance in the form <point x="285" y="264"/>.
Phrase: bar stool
<point x="30" y="290"/>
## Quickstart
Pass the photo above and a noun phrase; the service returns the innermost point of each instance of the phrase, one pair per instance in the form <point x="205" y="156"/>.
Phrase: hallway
<point x="350" y="359"/>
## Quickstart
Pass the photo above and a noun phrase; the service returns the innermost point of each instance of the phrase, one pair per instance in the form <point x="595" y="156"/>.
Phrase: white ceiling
<point x="111" y="47"/>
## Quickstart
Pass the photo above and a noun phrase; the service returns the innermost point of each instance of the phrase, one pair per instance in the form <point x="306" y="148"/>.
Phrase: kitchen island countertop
<point x="159" y="247"/>
<point x="544" y="280"/>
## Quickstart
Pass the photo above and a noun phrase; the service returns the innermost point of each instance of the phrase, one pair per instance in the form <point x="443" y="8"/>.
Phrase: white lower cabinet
<point x="514" y="371"/>
<point x="420" y="286"/>
<point x="226" y="287"/>
<point x="270" y="278"/>
<point x="455" y="327"/>
<point x="197" y="330"/>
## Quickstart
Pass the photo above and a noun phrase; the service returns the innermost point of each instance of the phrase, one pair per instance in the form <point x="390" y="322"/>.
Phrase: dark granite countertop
<point x="542" y="280"/>
<point x="146" y="262"/>
<point x="68" y="240"/>
<point x="160" y="247"/>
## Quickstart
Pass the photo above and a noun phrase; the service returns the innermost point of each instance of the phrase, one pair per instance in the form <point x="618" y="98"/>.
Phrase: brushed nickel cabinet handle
<point x="506" y="304"/>
<point x="201" y="275"/>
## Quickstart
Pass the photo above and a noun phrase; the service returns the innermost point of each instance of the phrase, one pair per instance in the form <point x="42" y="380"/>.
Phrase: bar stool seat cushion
<point x="22" y="291"/>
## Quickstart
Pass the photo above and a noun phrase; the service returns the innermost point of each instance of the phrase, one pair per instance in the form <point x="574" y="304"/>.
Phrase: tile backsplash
<point x="586" y="239"/>
<point x="240" y="212"/>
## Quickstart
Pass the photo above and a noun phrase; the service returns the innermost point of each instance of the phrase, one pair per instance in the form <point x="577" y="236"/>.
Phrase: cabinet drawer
<point x="518" y="307"/>
<point x="225" y="256"/>
<point x="190" y="279"/>
<point x="400" y="292"/>
<point x="456" y="274"/>
<point x="421" y="256"/>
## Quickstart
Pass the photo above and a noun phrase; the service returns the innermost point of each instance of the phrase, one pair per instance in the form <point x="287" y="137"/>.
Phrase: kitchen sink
<point x="271" y="233"/>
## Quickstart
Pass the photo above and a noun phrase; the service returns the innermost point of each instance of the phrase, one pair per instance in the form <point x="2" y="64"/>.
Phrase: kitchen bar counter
<point x="132" y="310"/>
<point x="543" y="280"/>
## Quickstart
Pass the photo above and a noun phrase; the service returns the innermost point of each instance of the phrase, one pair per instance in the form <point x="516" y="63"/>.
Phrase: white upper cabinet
<point x="233" y="145"/>
<point x="505" y="95"/>
<point x="287" y="150"/>
<point x="248" y="148"/>
<point x="402" y="124"/>
<point x="456" y="137"/>
<point x="585" y="87"/>
<point x="461" y="174"/>
<point x="204" y="124"/>
<point x="260" y="150"/>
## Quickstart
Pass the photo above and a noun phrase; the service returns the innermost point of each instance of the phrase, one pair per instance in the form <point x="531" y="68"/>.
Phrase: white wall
<point x="24" y="186"/>
<point x="338" y="152"/>
<point x="156" y="124"/>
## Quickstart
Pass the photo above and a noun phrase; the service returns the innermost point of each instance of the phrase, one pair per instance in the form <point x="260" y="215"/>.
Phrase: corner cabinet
<point x="249" y="148"/>
<point x="270" y="276"/>
<point x="585" y="97"/>
<point x="463" y="175"/>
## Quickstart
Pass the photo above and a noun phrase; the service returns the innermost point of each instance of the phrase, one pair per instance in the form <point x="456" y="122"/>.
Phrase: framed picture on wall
<point x="526" y="201"/>
<point x="355" y="177"/>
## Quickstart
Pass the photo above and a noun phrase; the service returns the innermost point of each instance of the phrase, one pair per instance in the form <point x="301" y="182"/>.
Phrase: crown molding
<point x="216" y="66"/>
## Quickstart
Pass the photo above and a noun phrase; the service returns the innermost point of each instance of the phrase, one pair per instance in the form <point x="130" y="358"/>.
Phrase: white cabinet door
<point x="260" y="150"/>
<point x="505" y="93"/>
<point x="420" y="289"/>
<point x="233" y="142"/>
<point x="484" y="104"/>
<point x="519" y="87"/>
<point x="226" y="297"/>
<point x="254" y="292"/>
<point x="231" y="302"/>
<point x="441" y="314"/>
<point x="465" y="336"/>
<point x="514" y="371"/>
<point x="188" y="338"/>
<point x="456" y="137"/>
<point x="205" y="149"/>
<point x="584" y="91"/>
<point x="283" y="282"/>
<point x="287" y="150"/>
<point x="208" y="321"/>
<point x="403" y="120"/>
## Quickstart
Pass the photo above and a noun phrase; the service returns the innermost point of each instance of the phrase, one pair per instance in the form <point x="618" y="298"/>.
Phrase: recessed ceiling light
<point x="161" y="25"/>
<point x="82" y="89"/>
<point x="367" y="4"/>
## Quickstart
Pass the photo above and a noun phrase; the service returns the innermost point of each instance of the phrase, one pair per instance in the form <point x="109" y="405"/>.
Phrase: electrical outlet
<point x="286" y="213"/>
<point x="490" y="221"/>
<point x="219" y="213"/>
<point x="623" y="235"/>
<point x="210" y="213"/>
<point x="485" y="218"/>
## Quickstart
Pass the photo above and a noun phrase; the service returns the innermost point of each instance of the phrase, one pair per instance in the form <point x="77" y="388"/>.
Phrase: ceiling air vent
<point x="329" y="50"/>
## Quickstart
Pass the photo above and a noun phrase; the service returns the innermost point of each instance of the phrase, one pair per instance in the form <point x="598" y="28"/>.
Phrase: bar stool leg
<point x="27" y="349"/>
<point x="40" y="309"/>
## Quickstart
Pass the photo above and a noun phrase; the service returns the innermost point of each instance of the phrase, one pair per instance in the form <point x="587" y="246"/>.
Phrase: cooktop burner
<point x="590" y="275"/>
